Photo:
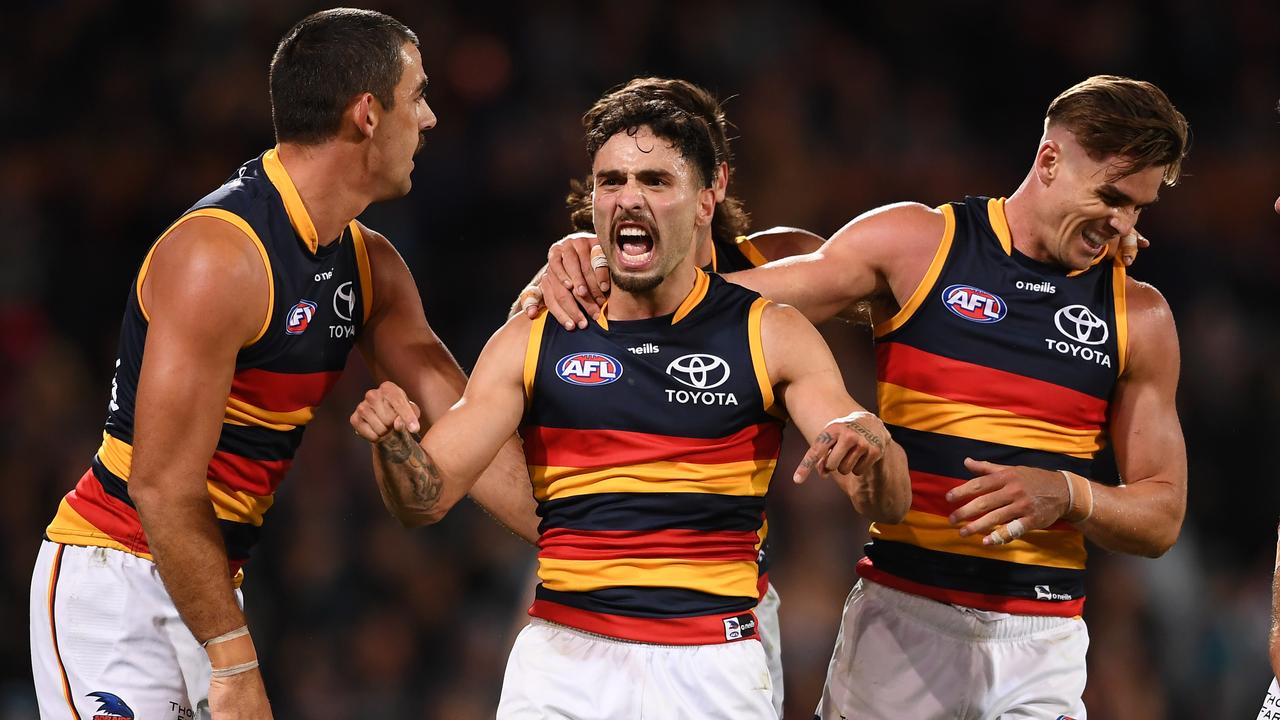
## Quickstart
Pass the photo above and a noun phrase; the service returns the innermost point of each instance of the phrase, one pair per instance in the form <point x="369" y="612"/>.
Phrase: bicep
<point x="1145" y="429"/>
<point x="187" y="366"/>
<point x="806" y="377"/>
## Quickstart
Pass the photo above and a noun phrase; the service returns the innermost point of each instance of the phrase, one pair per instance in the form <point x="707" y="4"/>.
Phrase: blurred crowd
<point x="117" y="116"/>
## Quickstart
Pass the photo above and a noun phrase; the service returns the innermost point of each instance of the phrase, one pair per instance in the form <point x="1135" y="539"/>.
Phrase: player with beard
<point x="650" y="468"/>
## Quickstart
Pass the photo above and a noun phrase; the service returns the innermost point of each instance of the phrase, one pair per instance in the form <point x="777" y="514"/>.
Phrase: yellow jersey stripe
<point x="715" y="577"/>
<point x="749" y="478"/>
<point x="239" y="412"/>
<point x="71" y="528"/>
<point x="930" y="413"/>
<point x="750" y="251"/>
<point x="237" y="505"/>
<point x="240" y="224"/>
<point x="293" y="206"/>
<point x="700" y="284"/>
<point x="930" y="277"/>
<point x="1049" y="548"/>
<point x="363" y="268"/>
<point x="116" y="456"/>
<point x="1118" y="286"/>
<point x="1000" y="224"/>
<point x="531" y="353"/>
<point x="757" y="352"/>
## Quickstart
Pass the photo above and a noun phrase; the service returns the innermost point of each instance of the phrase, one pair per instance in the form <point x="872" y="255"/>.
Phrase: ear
<point x="721" y="182"/>
<point x="706" y="206"/>
<point x="1048" y="161"/>
<point x="365" y="114"/>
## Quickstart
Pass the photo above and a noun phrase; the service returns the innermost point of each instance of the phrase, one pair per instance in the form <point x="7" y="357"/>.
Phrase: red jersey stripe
<point x="110" y="516"/>
<point x="964" y="382"/>
<point x="682" y="544"/>
<point x="704" y="630"/>
<point x="282" y="392"/>
<point x="258" y="477"/>
<point x="563" y="447"/>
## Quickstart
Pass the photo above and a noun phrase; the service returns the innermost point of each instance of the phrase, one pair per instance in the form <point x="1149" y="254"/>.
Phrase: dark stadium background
<point x="118" y="115"/>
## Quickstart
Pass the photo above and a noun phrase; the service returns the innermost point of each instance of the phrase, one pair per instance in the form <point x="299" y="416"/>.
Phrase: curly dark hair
<point x="730" y="219"/>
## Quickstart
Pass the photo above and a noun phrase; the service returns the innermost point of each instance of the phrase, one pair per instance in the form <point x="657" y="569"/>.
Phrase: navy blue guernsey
<point x="651" y="444"/>
<point x="319" y="301"/>
<point x="1000" y="358"/>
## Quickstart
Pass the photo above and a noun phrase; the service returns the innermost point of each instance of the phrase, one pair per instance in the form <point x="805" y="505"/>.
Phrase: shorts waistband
<point x="962" y="622"/>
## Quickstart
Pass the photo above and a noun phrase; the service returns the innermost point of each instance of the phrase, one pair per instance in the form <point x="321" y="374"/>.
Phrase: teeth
<point x="631" y="231"/>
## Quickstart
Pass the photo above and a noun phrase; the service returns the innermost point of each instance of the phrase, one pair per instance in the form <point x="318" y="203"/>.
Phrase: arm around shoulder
<point x="875" y="254"/>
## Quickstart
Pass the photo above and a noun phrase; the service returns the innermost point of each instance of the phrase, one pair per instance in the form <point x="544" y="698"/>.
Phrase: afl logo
<point x="699" y="370"/>
<point x="588" y="369"/>
<point x="299" y="317"/>
<point x="973" y="304"/>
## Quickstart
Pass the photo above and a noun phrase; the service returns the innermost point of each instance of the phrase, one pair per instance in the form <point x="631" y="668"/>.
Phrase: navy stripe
<point x="247" y="441"/>
<point x="259" y="443"/>
<point x="971" y="574"/>
<point x="641" y="601"/>
<point x="111" y="484"/>
<point x="944" y="455"/>
<point x="239" y="538"/>
<point x="653" y="511"/>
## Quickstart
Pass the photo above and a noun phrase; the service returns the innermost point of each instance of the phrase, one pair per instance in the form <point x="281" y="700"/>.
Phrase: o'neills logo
<point x="1044" y="287"/>
<point x="740" y="627"/>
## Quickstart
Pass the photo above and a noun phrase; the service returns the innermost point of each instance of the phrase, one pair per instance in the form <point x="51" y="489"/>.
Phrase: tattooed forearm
<point x="407" y="467"/>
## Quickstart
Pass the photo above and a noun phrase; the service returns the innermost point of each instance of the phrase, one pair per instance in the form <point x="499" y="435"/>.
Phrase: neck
<point x="702" y="247"/>
<point x="320" y="173"/>
<point x="664" y="299"/>
<point x="1026" y="229"/>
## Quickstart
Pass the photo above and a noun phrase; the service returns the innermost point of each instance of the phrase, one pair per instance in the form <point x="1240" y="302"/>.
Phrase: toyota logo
<point x="699" y="371"/>
<point x="344" y="301"/>
<point x="1080" y="324"/>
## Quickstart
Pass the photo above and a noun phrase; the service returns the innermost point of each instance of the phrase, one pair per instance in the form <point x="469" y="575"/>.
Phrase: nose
<point x="1278" y="204"/>
<point x="630" y="195"/>
<point x="428" y="119"/>
<point x="1123" y="220"/>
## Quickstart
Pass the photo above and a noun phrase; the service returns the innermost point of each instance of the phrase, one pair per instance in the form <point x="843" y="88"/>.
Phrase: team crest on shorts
<point x="110" y="707"/>
<point x="740" y="627"/>
<point x="588" y="369"/>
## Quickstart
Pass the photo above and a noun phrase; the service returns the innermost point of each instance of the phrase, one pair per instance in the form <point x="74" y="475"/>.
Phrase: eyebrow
<point x="1124" y="197"/>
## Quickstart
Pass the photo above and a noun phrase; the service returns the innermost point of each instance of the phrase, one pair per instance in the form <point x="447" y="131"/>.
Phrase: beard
<point x="635" y="283"/>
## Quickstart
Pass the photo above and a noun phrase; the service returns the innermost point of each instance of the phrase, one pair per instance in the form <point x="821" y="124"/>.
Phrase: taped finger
<point x="598" y="259"/>
<point x="1006" y="533"/>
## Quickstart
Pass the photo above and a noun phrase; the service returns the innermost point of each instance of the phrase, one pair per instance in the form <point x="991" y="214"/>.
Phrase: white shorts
<point x="1271" y="705"/>
<point x="562" y="673"/>
<point x="105" y="637"/>
<point x="903" y="656"/>
<point x="771" y="639"/>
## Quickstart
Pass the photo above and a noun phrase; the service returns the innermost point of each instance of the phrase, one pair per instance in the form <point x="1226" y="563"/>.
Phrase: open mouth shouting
<point x="634" y="245"/>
